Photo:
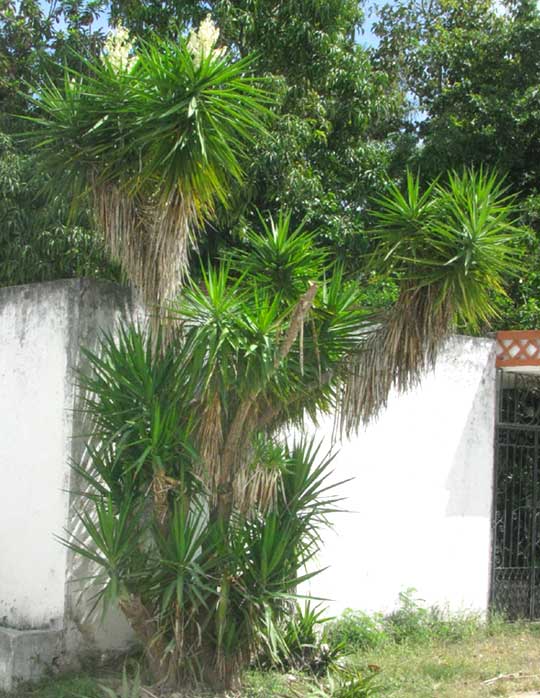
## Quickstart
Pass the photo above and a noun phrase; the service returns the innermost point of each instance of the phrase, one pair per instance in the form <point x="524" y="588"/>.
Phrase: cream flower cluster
<point x="118" y="49"/>
<point x="201" y="43"/>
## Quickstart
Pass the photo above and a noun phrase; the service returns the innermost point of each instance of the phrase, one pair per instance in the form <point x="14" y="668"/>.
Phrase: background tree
<point x="41" y="239"/>
<point x="37" y="38"/>
<point x="472" y="71"/>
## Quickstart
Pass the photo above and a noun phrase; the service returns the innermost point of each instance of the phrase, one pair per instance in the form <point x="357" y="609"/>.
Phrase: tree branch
<point x="237" y="431"/>
<point x="297" y="320"/>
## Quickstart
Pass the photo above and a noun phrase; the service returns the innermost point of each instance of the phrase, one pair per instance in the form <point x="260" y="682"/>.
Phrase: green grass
<point x="457" y="669"/>
<point x="440" y="667"/>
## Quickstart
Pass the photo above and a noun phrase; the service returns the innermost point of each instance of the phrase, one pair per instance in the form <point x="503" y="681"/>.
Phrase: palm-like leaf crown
<point x="451" y="248"/>
<point x="457" y="237"/>
<point x="156" y="139"/>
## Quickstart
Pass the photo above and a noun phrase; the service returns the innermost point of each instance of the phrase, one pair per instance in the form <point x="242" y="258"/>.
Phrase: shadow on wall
<point x="472" y="464"/>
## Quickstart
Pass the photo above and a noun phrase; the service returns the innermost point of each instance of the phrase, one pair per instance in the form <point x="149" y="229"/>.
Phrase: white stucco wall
<point x="42" y="327"/>
<point x="34" y="330"/>
<point x="421" y="493"/>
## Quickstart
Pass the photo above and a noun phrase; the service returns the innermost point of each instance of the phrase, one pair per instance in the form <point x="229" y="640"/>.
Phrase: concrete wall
<point x="421" y="493"/>
<point x="42" y="327"/>
<point x="35" y="324"/>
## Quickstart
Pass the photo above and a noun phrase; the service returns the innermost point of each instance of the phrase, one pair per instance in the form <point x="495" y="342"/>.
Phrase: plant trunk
<point x="219" y="674"/>
<point x="145" y="628"/>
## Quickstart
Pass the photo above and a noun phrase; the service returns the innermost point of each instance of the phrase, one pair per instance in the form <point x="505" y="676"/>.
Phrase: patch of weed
<point x="441" y="671"/>
<point x="355" y="630"/>
<point x="266" y="684"/>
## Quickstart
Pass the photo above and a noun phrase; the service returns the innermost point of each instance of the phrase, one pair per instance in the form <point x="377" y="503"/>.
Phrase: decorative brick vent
<point x="518" y="348"/>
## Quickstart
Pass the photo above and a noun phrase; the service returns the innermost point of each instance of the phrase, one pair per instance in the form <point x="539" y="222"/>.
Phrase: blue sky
<point x="367" y="38"/>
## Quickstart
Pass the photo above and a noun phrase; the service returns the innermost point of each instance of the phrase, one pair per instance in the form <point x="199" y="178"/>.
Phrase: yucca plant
<point x="201" y="519"/>
<point x="154" y="135"/>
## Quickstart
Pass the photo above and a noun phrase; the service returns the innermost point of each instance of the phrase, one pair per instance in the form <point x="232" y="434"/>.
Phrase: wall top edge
<point x="75" y="289"/>
<point x="78" y="283"/>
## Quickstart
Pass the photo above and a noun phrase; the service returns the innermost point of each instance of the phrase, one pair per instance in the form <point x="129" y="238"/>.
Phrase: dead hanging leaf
<point x="396" y="351"/>
<point x="162" y="484"/>
<point x="210" y="441"/>
<point x="255" y="488"/>
<point x="150" y="237"/>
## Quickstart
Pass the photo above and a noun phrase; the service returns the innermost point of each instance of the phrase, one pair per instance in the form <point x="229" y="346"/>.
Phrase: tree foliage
<point x="37" y="38"/>
<point x="473" y="69"/>
<point x="39" y="240"/>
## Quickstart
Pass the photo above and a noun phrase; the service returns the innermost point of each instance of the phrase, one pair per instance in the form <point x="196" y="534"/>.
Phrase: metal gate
<point x="515" y="588"/>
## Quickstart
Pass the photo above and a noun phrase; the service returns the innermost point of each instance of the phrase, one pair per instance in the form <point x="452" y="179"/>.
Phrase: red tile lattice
<point x="518" y="348"/>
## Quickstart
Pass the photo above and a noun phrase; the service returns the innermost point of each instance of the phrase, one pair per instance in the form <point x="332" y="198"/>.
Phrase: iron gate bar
<point x="492" y="586"/>
<point x="520" y="427"/>
<point x="532" y="613"/>
<point x="515" y="588"/>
